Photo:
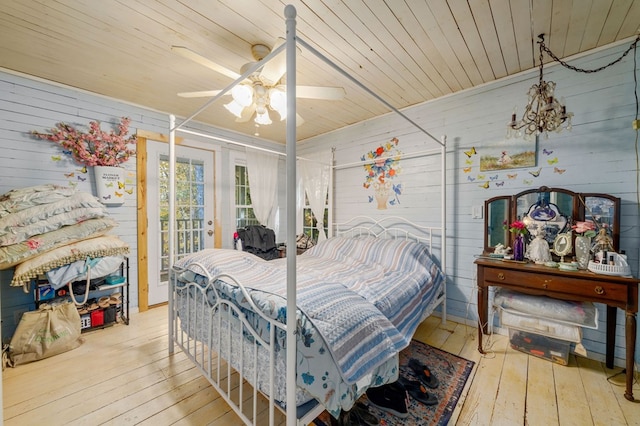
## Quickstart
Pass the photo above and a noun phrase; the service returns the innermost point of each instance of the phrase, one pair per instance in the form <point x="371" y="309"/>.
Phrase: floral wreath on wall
<point x="382" y="167"/>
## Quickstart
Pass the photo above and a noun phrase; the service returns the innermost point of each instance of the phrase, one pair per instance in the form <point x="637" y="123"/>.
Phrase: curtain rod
<point x="220" y="139"/>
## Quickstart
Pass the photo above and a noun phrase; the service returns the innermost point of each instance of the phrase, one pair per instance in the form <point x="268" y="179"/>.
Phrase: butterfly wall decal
<point x="468" y="161"/>
<point x="493" y="177"/>
<point x="81" y="179"/>
<point x="70" y="175"/>
<point x="471" y="152"/>
<point x="535" y="173"/>
<point x="109" y="185"/>
<point x="512" y="176"/>
<point x="559" y="171"/>
<point x="118" y="194"/>
<point x="552" y="161"/>
<point x="484" y="185"/>
<point x="129" y="191"/>
<point x="547" y="152"/>
<point x="467" y="169"/>
<point x="120" y="185"/>
<point x="56" y="157"/>
<point x="82" y="170"/>
<point x="470" y="179"/>
<point x="527" y="181"/>
<point x="107" y="197"/>
<point x="500" y="183"/>
<point x="481" y="177"/>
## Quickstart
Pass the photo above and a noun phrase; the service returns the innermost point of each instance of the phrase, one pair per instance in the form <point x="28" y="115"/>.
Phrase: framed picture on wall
<point x="508" y="154"/>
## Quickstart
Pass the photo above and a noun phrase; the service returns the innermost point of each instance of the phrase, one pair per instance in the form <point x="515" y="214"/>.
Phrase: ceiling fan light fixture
<point x="242" y="94"/>
<point x="234" y="108"/>
<point x="263" y="117"/>
<point x="278" y="101"/>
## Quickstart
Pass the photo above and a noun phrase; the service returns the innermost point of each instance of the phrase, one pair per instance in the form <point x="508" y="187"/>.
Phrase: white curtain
<point x="315" y="170"/>
<point x="262" y="168"/>
<point x="299" y="201"/>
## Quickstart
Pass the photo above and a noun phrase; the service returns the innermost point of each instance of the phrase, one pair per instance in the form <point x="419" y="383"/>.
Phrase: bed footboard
<point x="217" y="337"/>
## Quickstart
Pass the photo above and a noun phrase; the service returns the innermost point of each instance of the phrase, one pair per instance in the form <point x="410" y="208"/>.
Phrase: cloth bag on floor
<point x="49" y="331"/>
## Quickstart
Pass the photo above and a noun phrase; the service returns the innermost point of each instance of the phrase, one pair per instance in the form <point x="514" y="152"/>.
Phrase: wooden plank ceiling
<point x="407" y="51"/>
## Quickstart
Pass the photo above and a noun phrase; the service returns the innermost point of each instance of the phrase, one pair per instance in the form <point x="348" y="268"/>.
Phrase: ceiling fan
<point x="263" y="90"/>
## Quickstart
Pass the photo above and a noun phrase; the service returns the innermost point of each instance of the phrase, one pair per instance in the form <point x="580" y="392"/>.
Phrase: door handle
<point x="210" y="222"/>
<point x="210" y="232"/>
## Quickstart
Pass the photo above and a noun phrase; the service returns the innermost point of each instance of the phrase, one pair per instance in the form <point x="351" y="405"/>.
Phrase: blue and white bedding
<point x="359" y="299"/>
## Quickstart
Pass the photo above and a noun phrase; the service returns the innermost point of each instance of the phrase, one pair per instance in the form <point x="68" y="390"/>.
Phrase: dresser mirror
<point x="553" y="210"/>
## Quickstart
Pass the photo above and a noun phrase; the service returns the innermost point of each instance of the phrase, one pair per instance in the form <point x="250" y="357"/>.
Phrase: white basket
<point x="599" y="268"/>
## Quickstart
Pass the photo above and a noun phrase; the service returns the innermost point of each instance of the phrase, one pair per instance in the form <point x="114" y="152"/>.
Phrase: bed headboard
<point x="388" y="227"/>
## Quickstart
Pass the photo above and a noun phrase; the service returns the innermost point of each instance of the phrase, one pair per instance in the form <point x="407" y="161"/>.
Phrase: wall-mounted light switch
<point x="476" y="212"/>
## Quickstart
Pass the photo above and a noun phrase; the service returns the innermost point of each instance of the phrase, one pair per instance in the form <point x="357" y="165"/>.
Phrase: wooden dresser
<point x="614" y="291"/>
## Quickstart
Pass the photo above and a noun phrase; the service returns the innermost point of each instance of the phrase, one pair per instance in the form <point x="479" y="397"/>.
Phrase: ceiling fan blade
<point x="318" y="92"/>
<point x="196" y="57"/>
<point x="247" y="114"/>
<point x="273" y="70"/>
<point x="200" y="94"/>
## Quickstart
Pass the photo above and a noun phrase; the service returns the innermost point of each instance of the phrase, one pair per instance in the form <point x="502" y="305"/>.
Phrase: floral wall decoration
<point x="382" y="167"/>
<point x="102" y="150"/>
<point x="95" y="147"/>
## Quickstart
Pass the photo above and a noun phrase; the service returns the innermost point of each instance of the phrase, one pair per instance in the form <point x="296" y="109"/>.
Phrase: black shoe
<point x="423" y="373"/>
<point x="392" y="398"/>
<point x="418" y="391"/>
<point x="359" y="415"/>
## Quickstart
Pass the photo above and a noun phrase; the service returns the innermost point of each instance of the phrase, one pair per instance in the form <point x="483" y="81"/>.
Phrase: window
<point x="309" y="220"/>
<point x="244" y="211"/>
<point x="189" y="207"/>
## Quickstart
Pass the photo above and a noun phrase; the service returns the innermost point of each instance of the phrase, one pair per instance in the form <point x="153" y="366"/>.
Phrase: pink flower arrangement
<point x="586" y="228"/>
<point x="95" y="148"/>
<point x="518" y="227"/>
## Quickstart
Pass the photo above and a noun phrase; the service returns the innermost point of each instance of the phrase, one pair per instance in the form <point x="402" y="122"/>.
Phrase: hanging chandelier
<point x="543" y="113"/>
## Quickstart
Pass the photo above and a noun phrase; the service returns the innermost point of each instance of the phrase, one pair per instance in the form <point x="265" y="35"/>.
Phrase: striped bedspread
<point x="365" y="296"/>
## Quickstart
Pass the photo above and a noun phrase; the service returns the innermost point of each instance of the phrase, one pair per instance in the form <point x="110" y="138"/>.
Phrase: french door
<point x="194" y="206"/>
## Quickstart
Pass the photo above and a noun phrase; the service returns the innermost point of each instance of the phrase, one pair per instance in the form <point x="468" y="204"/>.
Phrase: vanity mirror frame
<point x="499" y="208"/>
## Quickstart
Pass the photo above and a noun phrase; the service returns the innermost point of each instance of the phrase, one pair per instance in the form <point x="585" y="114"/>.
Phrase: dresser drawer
<point x="569" y="285"/>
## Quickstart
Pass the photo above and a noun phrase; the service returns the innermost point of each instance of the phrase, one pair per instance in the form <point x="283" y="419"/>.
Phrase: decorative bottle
<point x="518" y="248"/>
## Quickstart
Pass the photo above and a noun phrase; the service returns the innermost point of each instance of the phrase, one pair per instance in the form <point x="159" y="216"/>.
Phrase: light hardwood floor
<point x="123" y="375"/>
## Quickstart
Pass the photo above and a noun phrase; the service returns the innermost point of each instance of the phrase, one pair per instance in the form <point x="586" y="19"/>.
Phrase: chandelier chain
<point x="571" y="67"/>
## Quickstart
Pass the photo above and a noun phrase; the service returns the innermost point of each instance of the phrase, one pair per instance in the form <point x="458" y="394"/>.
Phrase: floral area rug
<point x="452" y="373"/>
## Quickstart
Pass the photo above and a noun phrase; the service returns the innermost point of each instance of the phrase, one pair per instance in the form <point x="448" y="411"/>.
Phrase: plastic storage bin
<point x="543" y="326"/>
<point x="554" y="350"/>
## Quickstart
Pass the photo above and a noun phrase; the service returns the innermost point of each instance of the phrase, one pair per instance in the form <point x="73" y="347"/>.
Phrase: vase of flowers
<point x="520" y="230"/>
<point x="383" y="165"/>
<point x="585" y="231"/>
<point x="104" y="151"/>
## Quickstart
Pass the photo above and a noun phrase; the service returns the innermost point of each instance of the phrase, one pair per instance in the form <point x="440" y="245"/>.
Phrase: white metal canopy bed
<point x="232" y="313"/>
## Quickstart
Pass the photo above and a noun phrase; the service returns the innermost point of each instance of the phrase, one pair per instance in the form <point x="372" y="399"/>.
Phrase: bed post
<point x="443" y="257"/>
<point x="290" y="15"/>
<point x="332" y="171"/>
<point x="172" y="170"/>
